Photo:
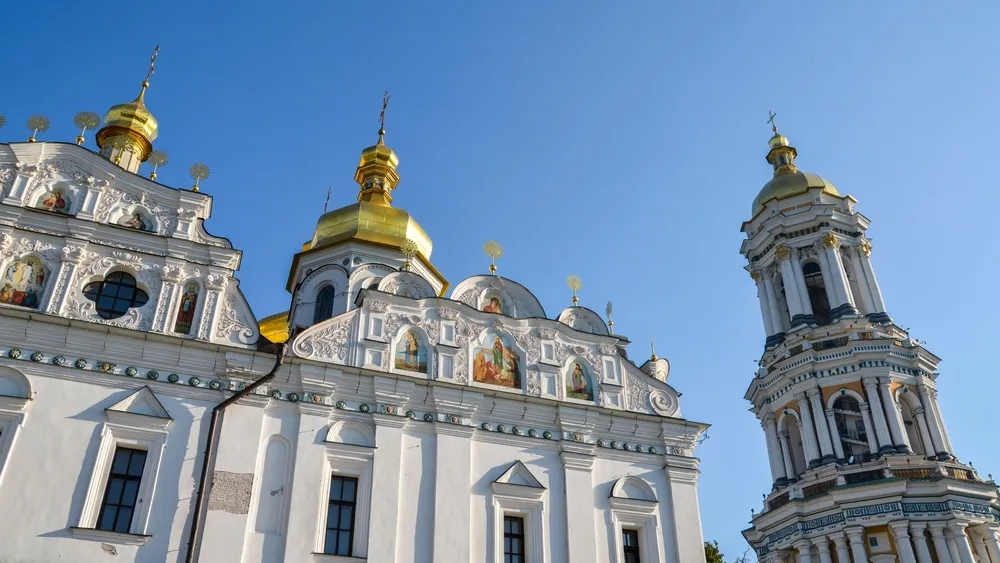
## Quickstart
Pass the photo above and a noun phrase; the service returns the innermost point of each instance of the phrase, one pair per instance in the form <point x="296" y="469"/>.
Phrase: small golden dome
<point x="133" y="116"/>
<point x="778" y="141"/>
<point x="371" y="222"/>
<point x="788" y="185"/>
<point x="275" y="327"/>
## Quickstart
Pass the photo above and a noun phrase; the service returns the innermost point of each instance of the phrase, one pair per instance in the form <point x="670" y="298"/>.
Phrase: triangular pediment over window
<point x="518" y="474"/>
<point x="141" y="409"/>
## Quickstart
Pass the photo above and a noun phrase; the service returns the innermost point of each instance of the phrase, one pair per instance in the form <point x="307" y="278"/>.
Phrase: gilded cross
<point x="152" y="63"/>
<point x="770" y="119"/>
<point x="381" y="115"/>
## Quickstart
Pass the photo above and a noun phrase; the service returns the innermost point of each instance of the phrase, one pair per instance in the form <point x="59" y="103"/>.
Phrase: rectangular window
<point x="630" y="543"/>
<point x="122" y="491"/>
<point x="513" y="540"/>
<point x="340" y="516"/>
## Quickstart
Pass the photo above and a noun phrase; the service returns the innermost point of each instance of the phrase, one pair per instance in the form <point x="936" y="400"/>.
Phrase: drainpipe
<point x="199" y="499"/>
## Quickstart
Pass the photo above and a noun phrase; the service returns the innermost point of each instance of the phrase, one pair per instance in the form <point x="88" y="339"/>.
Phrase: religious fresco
<point x="23" y="283"/>
<point x="136" y="220"/>
<point x="494" y="305"/>
<point x="185" y="312"/>
<point x="55" y="201"/>
<point x="496" y="362"/>
<point x="410" y="355"/>
<point x="578" y="384"/>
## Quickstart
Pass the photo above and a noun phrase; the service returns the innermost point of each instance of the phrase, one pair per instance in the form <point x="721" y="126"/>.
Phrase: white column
<point x="383" y="528"/>
<point x="822" y="431"/>
<point x="920" y="415"/>
<point x="881" y="429"/>
<point x="866" y="418"/>
<point x="979" y="546"/>
<point x="831" y="423"/>
<point x="843" y="551"/>
<point x="940" y="542"/>
<point x="837" y="275"/>
<point x="920" y="542"/>
<point x="808" y="431"/>
<point x="822" y="544"/>
<point x="940" y="419"/>
<point x="577" y="468"/>
<point x="805" y="551"/>
<point x="786" y="455"/>
<point x="933" y="425"/>
<point x="891" y="413"/>
<point x="800" y="283"/>
<point x="863" y="286"/>
<point x="773" y="447"/>
<point x="825" y="269"/>
<point x="957" y="528"/>
<point x="777" y="319"/>
<point x="788" y="279"/>
<point x="765" y="307"/>
<point x="901" y="533"/>
<point x="993" y="544"/>
<point x="856" y="537"/>
<point x="452" y="511"/>
<point x="866" y="265"/>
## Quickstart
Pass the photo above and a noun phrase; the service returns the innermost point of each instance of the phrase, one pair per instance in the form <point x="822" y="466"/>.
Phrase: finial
<point x="3" y="121"/>
<point x="493" y="249"/>
<point x="149" y="74"/>
<point x="409" y="249"/>
<point x="37" y="124"/>
<point x="198" y="172"/>
<point x="85" y="120"/>
<point x="157" y="159"/>
<point x="575" y="284"/>
<point x="652" y="349"/>
<point x="381" y="118"/>
<point x="611" y="323"/>
<point x="327" y="202"/>
<point x="770" y="119"/>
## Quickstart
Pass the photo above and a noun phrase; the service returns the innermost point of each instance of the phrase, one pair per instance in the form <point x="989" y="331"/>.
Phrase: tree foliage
<point x="712" y="553"/>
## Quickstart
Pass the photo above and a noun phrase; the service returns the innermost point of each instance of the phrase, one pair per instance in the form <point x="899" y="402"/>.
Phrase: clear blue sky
<point x="622" y="142"/>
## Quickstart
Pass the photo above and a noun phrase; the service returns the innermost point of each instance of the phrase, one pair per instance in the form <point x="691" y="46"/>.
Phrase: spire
<point x="130" y="129"/>
<point x="781" y="155"/>
<point x="376" y="172"/>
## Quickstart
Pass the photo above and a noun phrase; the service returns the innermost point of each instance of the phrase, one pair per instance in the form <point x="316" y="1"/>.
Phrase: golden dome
<point x="371" y="221"/>
<point x="133" y="116"/>
<point x="788" y="185"/>
<point x="275" y="327"/>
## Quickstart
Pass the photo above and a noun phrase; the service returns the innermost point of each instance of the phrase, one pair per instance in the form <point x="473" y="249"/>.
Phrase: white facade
<point x="862" y="465"/>
<point x="393" y="391"/>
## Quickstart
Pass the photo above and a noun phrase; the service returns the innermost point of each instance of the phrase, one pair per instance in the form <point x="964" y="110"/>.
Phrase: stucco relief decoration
<point x="96" y="267"/>
<point x="635" y="393"/>
<point x="469" y="296"/>
<point x="231" y="321"/>
<point x="326" y="341"/>
<point x="534" y="382"/>
<point x="663" y="402"/>
<point x="7" y="175"/>
<point x="531" y="346"/>
<point x="377" y="306"/>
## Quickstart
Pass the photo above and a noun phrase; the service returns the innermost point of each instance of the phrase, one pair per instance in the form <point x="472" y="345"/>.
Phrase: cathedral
<point x="389" y="415"/>
<point x="862" y="465"/>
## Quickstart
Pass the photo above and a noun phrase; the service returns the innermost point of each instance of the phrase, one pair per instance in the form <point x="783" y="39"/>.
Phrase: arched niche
<point x="135" y="217"/>
<point x="368" y="276"/>
<point x="584" y="320"/>
<point x="187" y="314"/>
<point x="406" y="284"/>
<point x="579" y="379"/>
<point x="497" y="360"/>
<point x="60" y="198"/>
<point x="633" y="488"/>
<point x="14" y="384"/>
<point x="411" y="350"/>
<point x="24" y="281"/>
<point x="351" y="432"/>
<point x="274" y="489"/>
<point x="314" y="288"/>
<point x="518" y="302"/>
<point x="909" y="410"/>
<point x="790" y="423"/>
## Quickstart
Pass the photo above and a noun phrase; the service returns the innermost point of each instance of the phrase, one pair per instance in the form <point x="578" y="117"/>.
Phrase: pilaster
<point x="881" y="428"/>
<point x="808" y="431"/>
<point x="831" y="424"/>
<point x="940" y="542"/>
<point x="920" y="542"/>
<point x="578" y="463"/>
<point x="856" y="538"/>
<point x="892" y="414"/>
<point x="805" y="551"/>
<point x="822" y="431"/>
<point x="957" y="528"/>
<point x="452" y="475"/>
<point x="901" y="533"/>
<point x="843" y="550"/>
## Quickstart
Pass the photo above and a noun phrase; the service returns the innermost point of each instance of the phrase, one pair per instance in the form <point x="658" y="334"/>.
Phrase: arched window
<point x="851" y="427"/>
<point x="115" y="295"/>
<point x="786" y="317"/>
<point x="796" y="450"/>
<point x="817" y="292"/>
<point x="912" y="430"/>
<point x="324" y="304"/>
<point x="374" y="283"/>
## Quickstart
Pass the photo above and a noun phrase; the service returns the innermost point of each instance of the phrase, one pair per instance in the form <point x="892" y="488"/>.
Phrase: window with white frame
<point x="15" y="394"/>
<point x="120" y="495"/>
<point x="345" y="501"/>
<point x="518" y="533"/>
<point x="633" y="516"/>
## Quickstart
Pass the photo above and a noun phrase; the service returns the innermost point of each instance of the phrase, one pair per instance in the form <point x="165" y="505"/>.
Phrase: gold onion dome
<point x="132" y="121"/>
<point x="788" y="180"/>
<point x="373" y="219"/>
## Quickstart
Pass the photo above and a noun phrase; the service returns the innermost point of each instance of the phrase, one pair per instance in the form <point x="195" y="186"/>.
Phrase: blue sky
<point x="622" y="142"/>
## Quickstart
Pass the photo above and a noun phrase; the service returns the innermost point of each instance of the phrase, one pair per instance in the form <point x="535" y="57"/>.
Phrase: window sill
<point x="108" y="537"/>
<point x="327" y="558"/>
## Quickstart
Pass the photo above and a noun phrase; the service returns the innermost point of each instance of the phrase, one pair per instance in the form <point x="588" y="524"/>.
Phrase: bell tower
<point x="861" y="463"/>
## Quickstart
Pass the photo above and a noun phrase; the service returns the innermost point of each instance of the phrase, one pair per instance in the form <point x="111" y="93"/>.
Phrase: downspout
<point x="199" y="499"/>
